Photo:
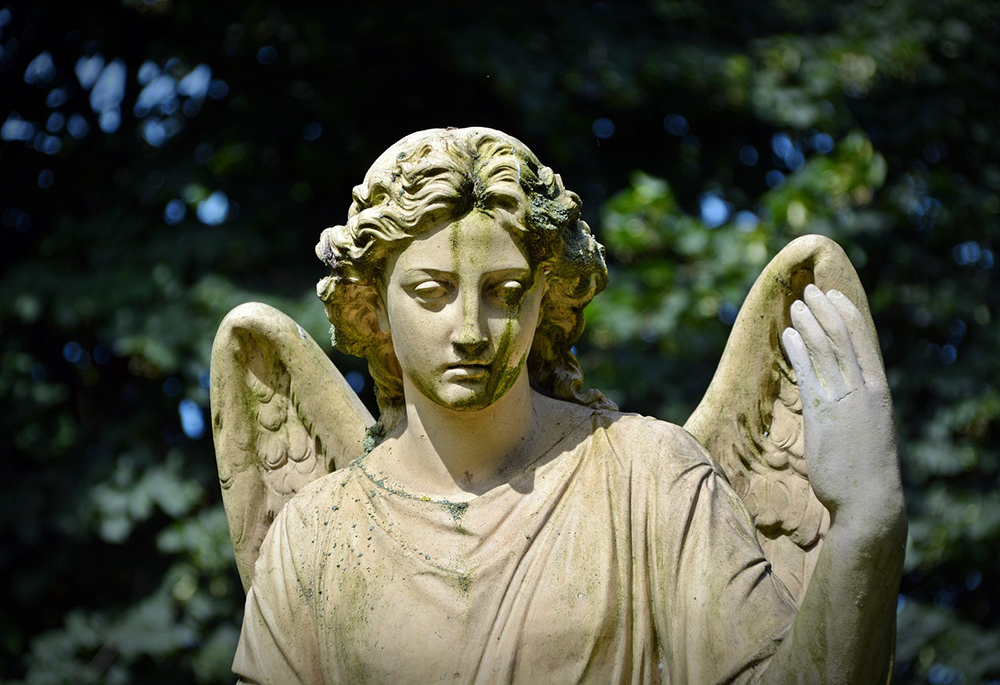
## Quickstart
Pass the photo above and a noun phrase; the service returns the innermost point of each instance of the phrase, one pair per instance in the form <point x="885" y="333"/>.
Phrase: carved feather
<point x="282" y="416"/>
<point x="750" y="419"/>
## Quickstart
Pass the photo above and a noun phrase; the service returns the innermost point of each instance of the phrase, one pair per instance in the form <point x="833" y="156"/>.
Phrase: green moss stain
<point x="462" y="580"/>
<point x="504" y="373"/>
<point x="456" y="509"/>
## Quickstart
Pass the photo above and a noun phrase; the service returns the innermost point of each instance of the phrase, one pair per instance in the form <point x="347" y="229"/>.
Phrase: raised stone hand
<point x="844" y="630"/>
<point x="850" y="441"/>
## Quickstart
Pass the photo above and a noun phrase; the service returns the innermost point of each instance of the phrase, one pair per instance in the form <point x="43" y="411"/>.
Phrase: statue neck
<point x="457" y="455"/>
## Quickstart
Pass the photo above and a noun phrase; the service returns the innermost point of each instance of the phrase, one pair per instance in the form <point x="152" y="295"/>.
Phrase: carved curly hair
<point x="441" y="175"/>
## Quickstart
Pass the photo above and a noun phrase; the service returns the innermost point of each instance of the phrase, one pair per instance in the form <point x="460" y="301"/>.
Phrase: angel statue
<point x="499" y="523"/>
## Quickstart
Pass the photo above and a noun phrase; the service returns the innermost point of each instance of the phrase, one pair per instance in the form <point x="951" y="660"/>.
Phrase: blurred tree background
<point x="165" y="160"/>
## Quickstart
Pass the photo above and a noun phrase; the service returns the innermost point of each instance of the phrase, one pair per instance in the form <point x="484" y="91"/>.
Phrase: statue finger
<point x="862" y="336"/>
<point x="833" y="324"/>
<point x="821" y="352"/>
<point x="801" y="359"/>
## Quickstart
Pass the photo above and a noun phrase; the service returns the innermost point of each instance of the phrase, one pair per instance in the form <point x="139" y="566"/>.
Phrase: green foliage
<point x="677" y="281"/>
<point x="702" y="137"/>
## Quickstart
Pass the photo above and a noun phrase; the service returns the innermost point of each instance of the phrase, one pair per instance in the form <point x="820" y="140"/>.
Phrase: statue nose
<point x="470" y="335"/>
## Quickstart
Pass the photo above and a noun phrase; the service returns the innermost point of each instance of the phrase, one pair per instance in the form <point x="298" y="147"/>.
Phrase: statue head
<point x="440" y="176"/>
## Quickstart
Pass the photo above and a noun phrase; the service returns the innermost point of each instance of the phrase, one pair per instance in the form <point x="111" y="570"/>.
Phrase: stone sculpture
<point x="499" y="523"/>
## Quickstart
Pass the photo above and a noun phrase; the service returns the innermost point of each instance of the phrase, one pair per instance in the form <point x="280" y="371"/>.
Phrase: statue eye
<point x="510" y="292"/>
<point x="430" y="290"/>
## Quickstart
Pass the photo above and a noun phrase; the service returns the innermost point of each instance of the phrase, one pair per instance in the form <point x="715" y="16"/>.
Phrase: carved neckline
<point x="395" y="489"/>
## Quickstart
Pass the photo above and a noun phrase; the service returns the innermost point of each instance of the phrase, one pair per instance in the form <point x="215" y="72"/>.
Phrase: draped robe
<point x="621" y="555"/>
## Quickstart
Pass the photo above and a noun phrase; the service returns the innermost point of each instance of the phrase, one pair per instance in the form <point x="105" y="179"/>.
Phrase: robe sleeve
<point x="278" y="643"/>
<point x="721" y="612"/>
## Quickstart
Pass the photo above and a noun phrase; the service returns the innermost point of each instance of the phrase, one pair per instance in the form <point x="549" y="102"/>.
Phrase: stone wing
<point x="750" y="419"/>
<point x="282" y="416"/>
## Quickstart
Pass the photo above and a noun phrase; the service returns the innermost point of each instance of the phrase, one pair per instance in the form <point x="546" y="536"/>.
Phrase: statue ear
<point x="377" y="304"/>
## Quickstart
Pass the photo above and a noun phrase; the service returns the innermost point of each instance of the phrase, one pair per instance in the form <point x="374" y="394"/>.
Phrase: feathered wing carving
<point x="750" y="419"/>
<point x="282" y="416"/>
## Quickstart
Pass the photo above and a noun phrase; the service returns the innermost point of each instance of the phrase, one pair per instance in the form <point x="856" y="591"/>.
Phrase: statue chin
<point x="466" y="389"/>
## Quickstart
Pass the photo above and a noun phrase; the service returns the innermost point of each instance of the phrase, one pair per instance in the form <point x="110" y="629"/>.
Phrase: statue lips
<point x="467" y="371"/>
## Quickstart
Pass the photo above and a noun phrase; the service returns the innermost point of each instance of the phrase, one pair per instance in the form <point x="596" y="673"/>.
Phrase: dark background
<point x="164" y="161"/>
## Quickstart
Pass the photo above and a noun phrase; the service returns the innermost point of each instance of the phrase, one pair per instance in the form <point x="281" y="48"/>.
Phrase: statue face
<point x="461" y="305"/>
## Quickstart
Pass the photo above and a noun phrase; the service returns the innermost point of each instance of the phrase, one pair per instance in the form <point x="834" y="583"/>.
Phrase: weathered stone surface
<point x="506" y="525"/>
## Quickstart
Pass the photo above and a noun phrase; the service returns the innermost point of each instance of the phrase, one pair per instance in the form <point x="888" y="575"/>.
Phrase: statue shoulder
<point x="317" y="497"/>
<point x="651" y="444"/>
<point x="293" y="535"/>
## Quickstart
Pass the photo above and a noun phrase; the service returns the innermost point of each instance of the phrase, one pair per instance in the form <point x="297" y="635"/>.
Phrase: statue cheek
<point x="510" y="360"/>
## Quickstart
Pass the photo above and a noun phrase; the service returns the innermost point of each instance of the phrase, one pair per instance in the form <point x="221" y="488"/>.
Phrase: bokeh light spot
<point x="973" y="579"/>
<point x="23" y="223"/>
<point x="110" y="120"/>
<point x="102" y="354"/>
<point x="267" y="55"/>
<point x="87" y="70"/>
<point x="172" y="387"/>
<point x="966" y="253"/>
<point x="192" y="419"/>
<point x="676" y="124"/>
<point x="16" y="128"/>
<point x="822" y="143"/>
<point x="55" y="122"/>
<point x="49" y="145"/>
<point x="787" y="151"/>
<point x="107" y="94"/>
<point x="603" y="128"/>
<point x="727" y="313"/>
<point x="356" y="380"/>
<point x="312" y="131"/>
<point x="203" y="154"/>
<point x="158" y="131"/>
<point x="41" y="70"/>
<point x="147" y="72"/>
<point x="218" y="89"/>
<point x="746" y="221"/>
<point x="174" y="212"/>
<point x="986" y="259"/>
<point x="38" y="372"/>
<point x="57" y="97"/>
<point x="948" y="354"/>
<point x="748" y="155"/>
<point x="72" y="351"/>
<point x="714" y="210"/>
<point x="160" y="94"/>
<point x="77" y="126"/>
<point x="214" y="209"/>
<point x="196" y="83"/>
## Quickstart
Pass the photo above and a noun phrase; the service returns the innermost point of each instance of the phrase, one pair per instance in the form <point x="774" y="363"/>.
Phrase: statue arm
<point x="845" y="628"/>
<point x="278" y="641"/>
